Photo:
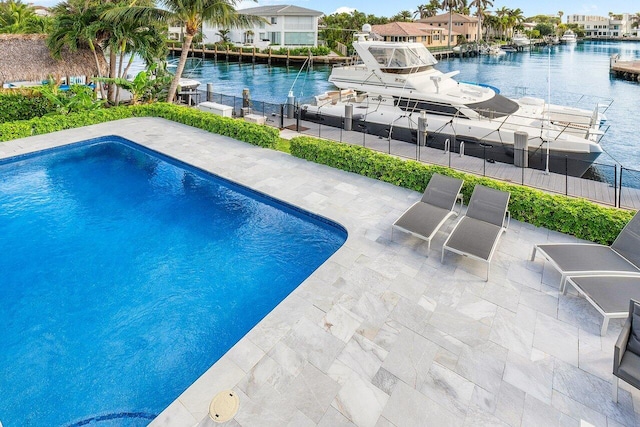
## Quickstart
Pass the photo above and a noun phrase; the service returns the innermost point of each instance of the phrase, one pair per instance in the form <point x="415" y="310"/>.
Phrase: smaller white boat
<point x="188" y="84"/>
<point x="520" y="40"/>
<point x="569" y="37"/>
<point x="496" y="51"/>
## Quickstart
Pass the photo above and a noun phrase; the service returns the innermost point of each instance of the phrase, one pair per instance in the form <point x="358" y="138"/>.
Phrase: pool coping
<point x="342" y="348"/>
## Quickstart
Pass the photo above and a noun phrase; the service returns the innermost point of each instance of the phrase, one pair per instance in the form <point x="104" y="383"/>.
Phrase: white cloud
<point x="344" y="9"/>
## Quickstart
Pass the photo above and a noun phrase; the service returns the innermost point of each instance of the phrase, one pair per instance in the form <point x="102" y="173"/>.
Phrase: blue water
<point x="125" y="275"/>
<point x="575" y="71"/>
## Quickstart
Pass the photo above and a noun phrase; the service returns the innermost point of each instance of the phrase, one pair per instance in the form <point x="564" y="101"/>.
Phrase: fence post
<point x="620" y="192"/>
<point x="298" y="118"/>
<point x="615" y="187"/>
<point x="566" y="175"/>
<point x="281" y="116"/>
<point x="209" y="92"/>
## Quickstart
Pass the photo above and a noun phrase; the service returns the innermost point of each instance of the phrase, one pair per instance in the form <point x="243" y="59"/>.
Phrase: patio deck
<point x="383" y="334"/>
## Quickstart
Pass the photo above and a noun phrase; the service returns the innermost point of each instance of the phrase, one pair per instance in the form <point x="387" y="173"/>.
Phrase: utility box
<point x="215" y="108"/>
<point x="255" y="118"/>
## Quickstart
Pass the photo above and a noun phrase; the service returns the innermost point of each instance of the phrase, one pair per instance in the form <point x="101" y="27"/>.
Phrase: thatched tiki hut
<point x="27" y="57"/>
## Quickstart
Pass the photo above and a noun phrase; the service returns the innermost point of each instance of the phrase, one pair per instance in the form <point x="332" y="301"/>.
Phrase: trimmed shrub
<point x="263" y="136"/>
<point x="22" y="104"/>
<point x="260" y="135"/>
<point x="579" y="217"/>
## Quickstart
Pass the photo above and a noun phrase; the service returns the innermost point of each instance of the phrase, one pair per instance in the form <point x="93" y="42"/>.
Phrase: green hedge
<point x="263" y="136"/>
<point x="22" y="104"/>
<point x="579" y="217"/>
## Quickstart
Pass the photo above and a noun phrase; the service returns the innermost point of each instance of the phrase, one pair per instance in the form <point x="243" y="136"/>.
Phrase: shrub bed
<point x="579" y="217"/>
<point x="22" y="104"/>
<point x="263" y="136"/>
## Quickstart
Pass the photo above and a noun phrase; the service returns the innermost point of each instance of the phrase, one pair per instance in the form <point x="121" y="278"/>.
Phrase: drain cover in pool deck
<point x="224" y="406"/>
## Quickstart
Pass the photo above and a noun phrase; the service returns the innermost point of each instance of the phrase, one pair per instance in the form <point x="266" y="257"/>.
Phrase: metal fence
<point x="607" y="184"/>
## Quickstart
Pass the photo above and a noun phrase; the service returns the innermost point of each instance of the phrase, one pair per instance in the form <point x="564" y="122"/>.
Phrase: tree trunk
<point x="186" y="44"/>
<point x="450" y="19"/>
<point x="111" y="93"/>
<point x="95" y="56"/>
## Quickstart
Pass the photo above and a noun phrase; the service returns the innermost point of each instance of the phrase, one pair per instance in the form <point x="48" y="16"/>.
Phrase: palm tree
<point x="191" y="14"/>
<point x="560" y="15"/>
<point x="635" y="20"/>
<point x="451" y="5"/>
<point x="502" y="22"/>
<point x="481" y="6"/>
<point x="77" y="24"/>
<point x="421" y="11"/>
<point x="20" y="18"/>
<point x="516" y="17"/>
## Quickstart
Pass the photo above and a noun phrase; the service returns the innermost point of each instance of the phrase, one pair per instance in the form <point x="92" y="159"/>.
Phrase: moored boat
<point x="393" y="84"/>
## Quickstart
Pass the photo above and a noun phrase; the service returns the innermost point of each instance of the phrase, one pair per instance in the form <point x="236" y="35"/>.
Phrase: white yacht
<point x="520" y="40"/>
<point x="393" y="84"/>
<point x="569" y="37"/>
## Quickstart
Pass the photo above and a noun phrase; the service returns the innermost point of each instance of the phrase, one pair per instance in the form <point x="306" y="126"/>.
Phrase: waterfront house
<point x="429" y="35"/>
<point x="615" y="25"/>
<point x="284" y="26"/>
<point x="464" y="25"/>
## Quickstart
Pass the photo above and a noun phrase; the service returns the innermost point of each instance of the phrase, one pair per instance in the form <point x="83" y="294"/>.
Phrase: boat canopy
<point x="398" y="58"/>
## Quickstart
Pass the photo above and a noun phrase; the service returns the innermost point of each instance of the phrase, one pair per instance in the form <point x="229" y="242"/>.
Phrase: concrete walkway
<point x="383" y="334"/>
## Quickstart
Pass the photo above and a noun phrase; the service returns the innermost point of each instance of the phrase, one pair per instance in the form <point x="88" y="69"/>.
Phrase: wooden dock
<point x="253" y="55"/>
<point x="627" y="70"/>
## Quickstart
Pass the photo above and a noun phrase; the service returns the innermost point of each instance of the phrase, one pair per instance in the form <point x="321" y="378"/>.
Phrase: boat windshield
<point x="402" y="56"/>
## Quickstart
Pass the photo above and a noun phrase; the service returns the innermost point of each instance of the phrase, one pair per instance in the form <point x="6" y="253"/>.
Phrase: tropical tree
<point x="451" y="5"/>
<point x="481" y="7"/>
<point x="20" y="18"/>
<point x="77" y="25"/>
<point x="635" y="20"/>
<point x="402" y="16"/>
<point x="190" y="14"/>
<point x="340" y="27"/>
<point x="515" y="17"/>
<point x="502" y="22"/>
<point x="224" y="35"/>
<point x="560" y="15"/>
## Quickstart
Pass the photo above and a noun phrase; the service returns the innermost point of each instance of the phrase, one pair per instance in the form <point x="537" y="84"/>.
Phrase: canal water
<point x="579" y="77"/>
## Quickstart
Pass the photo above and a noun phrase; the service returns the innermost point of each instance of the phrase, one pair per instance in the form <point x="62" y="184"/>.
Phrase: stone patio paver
<point x="383" y="334"/>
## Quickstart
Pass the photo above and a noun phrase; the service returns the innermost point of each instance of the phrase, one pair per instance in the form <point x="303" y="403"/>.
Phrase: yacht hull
<point x="560" y="161"/>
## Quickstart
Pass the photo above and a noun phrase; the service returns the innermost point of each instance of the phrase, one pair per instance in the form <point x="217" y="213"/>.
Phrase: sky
<point x="389" y="8"/>
<point x="530" y="7"/>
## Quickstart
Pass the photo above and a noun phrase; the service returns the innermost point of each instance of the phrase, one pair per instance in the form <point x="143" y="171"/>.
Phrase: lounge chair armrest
<point x="508" y="218"/>
<point x="460" y="198"/>
<point x="621" y="345"/>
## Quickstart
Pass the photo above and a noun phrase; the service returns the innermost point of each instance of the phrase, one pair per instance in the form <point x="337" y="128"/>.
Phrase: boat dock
<point x="627" y="70"/>
<point x="253" y="55"/>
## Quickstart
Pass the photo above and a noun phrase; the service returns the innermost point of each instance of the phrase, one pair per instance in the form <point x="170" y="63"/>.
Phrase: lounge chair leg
<point x="533" y="253"/>
<point x="428" y="247"/>
<point x="605" y="325"/>
<point x="615" y="389"/>
<point x="488" y="268"/>
<point x="442" y="257"/>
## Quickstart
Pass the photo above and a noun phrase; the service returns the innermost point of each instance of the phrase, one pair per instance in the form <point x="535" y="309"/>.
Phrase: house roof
<point x="27" y="57"/>
<point x="407" y="29"/>
<point x="279" y="10"/>
<point x="444" y="17"/>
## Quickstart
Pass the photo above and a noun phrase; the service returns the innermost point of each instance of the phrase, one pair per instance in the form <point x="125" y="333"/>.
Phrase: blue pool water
<point x="126" y="274"/>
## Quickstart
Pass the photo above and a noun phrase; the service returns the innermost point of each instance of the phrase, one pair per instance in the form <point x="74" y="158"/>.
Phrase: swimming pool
<point x="126" y="274"/>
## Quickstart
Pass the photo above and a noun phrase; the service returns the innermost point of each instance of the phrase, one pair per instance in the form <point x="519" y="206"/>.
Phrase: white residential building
<point x="285" y="26"/>
<point x="604" y="26"/>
